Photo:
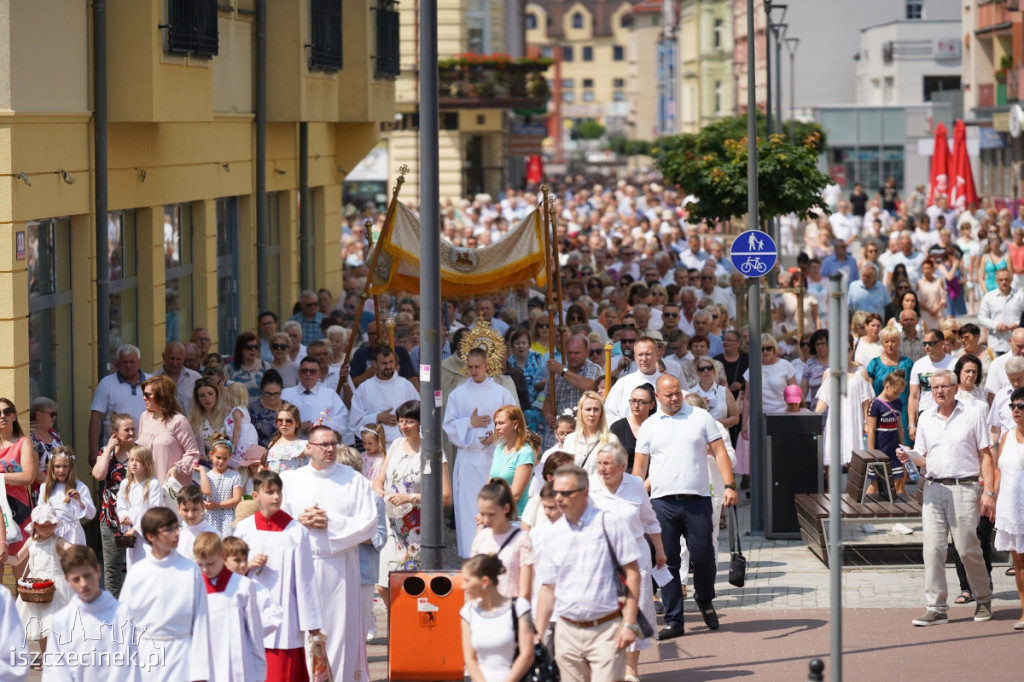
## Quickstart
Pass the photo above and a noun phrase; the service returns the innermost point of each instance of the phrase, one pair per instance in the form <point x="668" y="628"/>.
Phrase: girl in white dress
<point x="69" y="497"/>
<point x="493" y="626"/>
<point x="287" y="451"/>
<point x="43" y="552"/>
<point x="238" y="423"/>
<point x="139" y="493"/>
<point x="1009" y="486"/>
<point x="221" y="486"/>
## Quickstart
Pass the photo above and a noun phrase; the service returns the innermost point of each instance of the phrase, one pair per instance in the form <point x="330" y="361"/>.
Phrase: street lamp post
<point x="780" y="35"/>
<point x="791" y="45"/>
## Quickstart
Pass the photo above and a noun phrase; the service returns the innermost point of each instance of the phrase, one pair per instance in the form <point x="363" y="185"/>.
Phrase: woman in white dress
<point x="615" y="492"/>
<point x="1009" y="488"/>
<point x="591" y="432"/>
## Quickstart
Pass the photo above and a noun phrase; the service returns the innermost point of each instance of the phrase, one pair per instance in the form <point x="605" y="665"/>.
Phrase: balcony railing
<point x="387" y="42"/>
<point x="472" y="81"/>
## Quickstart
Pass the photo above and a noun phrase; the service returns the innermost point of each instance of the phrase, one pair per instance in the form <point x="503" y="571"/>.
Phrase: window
<point x="273" y="273"/>
<point x="387" y="40"/>
<point x="325" y="35"/>
<point x="618" y="96"/>
<point x="588" y="82"/>
<point x="122" y="260"/>
<point x="227" y="274"/>
<point x="618" y="53"/>
<point x="568" y="96"/>
<point x="719" y="93"/>
<point x="568" y="83"/>
<point x="192" y="27"/>
<point x="588" y="53"/>
<point x="588" y="95"/>
<point x="547" y="52"/>
<point x="618" y="82"/>
<point x="915" y="9"/>
<point x="478" y="26"/>
<point x="718" y="34"/>
<point x="531" y="21"/>
<point x="577" y="20"/>
<point x="49" y="312"/>
<point x="567" y="53"/>
<point x="178" y="276"/>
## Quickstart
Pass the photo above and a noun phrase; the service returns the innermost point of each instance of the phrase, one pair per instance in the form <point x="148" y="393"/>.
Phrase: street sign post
<point x="753" y="253"/>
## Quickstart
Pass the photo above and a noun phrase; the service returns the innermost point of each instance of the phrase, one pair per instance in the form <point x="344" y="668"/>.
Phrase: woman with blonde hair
<point x="591" y="432"/>
<point x="776" y="374"/>
<point x="513" y="457"/>
<point x="208" y="412"/>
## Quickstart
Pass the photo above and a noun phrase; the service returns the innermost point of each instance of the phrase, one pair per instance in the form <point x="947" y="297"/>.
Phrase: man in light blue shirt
<point x="840" y="260"/>
<point x="868" y="293"/>
<point x="908" y="257"/>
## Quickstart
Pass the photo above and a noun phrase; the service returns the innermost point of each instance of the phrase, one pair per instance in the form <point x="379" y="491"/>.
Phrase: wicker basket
<point x="124" y="541"/>
<point x="43" y="595"/>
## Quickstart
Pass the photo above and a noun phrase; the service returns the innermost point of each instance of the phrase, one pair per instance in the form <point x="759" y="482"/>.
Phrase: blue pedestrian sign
<point x="753" y="253"/>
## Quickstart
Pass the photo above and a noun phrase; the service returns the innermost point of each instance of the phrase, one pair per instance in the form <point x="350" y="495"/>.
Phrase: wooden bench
<point x="856" y="505"/>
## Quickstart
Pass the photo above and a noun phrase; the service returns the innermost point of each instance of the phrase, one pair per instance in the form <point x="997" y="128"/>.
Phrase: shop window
<point x="178" y="264"/>
<point x="122" y="260"/>
<point x="48" y="249"/>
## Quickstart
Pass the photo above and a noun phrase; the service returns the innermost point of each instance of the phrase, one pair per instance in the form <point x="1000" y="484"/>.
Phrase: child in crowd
<point x="87" y="631"/>
<point x="374" y="447"/>
<point x="369" y="550"/>
<point x="794" y="398"/>
<point x="164" y="599"/>
<point x="221" y="486"/>
<point x="238" y="423"/>
<point x="884" y="428"/>
<point x="531" y="515"/>
<point x="236" y="558"/>
<point x="564" y="425"/>
<point x="252" y="461"/>
<point x="538" y="539"/>
<point x="190" y="509"/>
<point x="69" y="497"/>
<point x="496" y="535"/>
<point x="139" y="493"/>
<point x="234" y="615"/>
<point x="43" y="551"/>
<point x="282" y="561"/>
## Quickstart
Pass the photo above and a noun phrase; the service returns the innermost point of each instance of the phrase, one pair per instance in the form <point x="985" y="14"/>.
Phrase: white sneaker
<point x="903" y="530"/>
<point x="868" y="528"/>
<point x="371" y="635"/>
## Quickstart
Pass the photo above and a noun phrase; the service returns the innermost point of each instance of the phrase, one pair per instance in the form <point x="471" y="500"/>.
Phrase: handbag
<point x="544" y="668"/>
<point x="737" y="562"/>
<point x="645" y="627"/>
<point x="13" y="530"/>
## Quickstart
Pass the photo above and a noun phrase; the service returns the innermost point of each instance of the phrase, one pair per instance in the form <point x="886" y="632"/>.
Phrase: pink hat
<point x="253" y="454"/>
<point x="793" y="394"/>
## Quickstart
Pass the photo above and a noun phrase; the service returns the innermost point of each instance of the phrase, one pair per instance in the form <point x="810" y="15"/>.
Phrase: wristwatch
<point x="635" y="627"/>
<point x="730" y="486"/>
<point x="564" y="370"/>
<point x="990" y="494"/>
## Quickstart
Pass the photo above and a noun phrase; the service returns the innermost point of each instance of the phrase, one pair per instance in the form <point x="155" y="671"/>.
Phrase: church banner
<point x="515" y="259"/>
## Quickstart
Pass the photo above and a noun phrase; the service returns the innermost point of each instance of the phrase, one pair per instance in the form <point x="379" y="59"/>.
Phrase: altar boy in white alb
<point x="338" y="507"/>
<point x="88" y="641"/>
<point x="164" y="599"/>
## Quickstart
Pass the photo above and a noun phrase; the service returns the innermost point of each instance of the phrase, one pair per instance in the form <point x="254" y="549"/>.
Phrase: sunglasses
<point x="53" y="415"/>
<point x="927" y="344"/>
<point x="705" y="368"/>
<point x="8" y="412"/>
<point x="567" y="493"/>
<point x="147" y="395"/>
<point x="280" y="346"/>
<point x="308" y="370"/>
<point x="596" y="351"/>
<point x="766" y="349"/>
<point x="271" y="394"/>
<point x="285" y="421"/>
<point x="1017" y="406"/>
<point x="252" y="346"/>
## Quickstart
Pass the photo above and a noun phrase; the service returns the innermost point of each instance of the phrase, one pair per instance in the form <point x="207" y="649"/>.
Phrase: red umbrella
<point x="939" y="182"/>
<point x="962" y="191"/>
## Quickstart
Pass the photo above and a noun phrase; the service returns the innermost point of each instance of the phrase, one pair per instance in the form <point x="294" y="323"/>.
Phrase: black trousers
<point x="689" y="517"/>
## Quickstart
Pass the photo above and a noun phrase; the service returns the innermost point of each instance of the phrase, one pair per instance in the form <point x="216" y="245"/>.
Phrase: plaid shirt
<point x="310" y="328"/>
<point x="567" y="396"/>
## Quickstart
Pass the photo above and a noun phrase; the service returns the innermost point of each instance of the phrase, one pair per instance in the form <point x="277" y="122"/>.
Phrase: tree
<point x="712" y="165"/>
<point x="588" y="130"/>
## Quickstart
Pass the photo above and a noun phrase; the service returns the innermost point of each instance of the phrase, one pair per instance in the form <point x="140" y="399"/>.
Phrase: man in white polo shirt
<point x="921" y="373"/>
<point x="953" y="448"/>
<point x="645" y="350"/>
<point x="672" y="453"/>
<point x="117" y="392"/>
<point x="317" y="403"/>
<point x="579" y="578"/>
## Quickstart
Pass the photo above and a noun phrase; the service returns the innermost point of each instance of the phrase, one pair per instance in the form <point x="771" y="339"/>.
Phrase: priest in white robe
<point x="338" y="507"/>
<point x="468" y="422"/>
<point x="377" y="398"/>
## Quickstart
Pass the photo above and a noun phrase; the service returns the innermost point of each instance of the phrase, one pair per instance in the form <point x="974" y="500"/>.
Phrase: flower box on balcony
<point x="492" y="81"/>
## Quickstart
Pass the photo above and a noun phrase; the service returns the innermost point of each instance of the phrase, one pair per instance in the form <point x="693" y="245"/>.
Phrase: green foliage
<point x="713" y="166"/>
<point x="588" y="130"/>
<point x="623" y="146"/>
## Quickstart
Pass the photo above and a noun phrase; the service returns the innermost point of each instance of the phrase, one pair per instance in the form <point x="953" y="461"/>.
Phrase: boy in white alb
<point x="87" y="642"/>
<point x="234" y="615"/>
<point x="236" y="558"/>
<point x="164" y="599"/>
<point x="190" y="509"/>
<point x="14" y="664"/>
<point x="282" y="561"/>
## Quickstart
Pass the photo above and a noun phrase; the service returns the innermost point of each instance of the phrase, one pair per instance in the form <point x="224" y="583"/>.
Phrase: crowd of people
<point x="277" y="487"/>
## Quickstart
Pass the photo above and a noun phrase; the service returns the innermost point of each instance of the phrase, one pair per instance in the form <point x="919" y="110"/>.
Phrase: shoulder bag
<point x="544" y="668"/>
<point x="13" y="530"/>
<point x="737" y="562"/>
<point x="646" y="630"/>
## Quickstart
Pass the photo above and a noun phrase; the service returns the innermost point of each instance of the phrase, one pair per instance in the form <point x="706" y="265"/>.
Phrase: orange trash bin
<point x="424" y="629"/>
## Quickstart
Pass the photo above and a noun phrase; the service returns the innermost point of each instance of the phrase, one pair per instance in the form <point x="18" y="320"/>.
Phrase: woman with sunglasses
<point x="576" y="316"/>
<point x="281" y="362"/>
<point x="776" y="374"/>
<point x="263" y="410"/>
<point x="166" y="431"/>
<point x="642" y="404"/>
<point x="816" y="366"/>
<point x="533" y="367"/>
<point x="539" y="336"/>
<point x="42" y="416"/>
<point x="287" y="450"/>
<point x="720" y="403"/>
<point x="19" y="464"/>
<point x="247" y="363"/>
<point x="1009" y="488"/>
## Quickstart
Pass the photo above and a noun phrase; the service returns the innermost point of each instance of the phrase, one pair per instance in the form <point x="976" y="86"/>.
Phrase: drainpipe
<point x="306" y="275"/>
<point x="262" y="228"/>
<point x="99" y="85"/>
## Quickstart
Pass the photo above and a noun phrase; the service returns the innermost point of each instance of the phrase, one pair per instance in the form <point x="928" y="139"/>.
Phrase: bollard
<point x="817" y="667"/>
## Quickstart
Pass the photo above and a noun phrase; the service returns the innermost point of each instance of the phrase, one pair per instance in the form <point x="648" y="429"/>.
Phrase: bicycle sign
<point x="753" y="253"/>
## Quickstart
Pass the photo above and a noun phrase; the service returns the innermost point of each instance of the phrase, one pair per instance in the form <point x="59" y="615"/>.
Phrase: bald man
<point x="184" y="378"/>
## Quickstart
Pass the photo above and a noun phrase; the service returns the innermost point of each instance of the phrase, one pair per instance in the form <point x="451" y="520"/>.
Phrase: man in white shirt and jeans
<point x="672" y="450"/>
<point x="579" y="577"/>
<point x="953" y="449"/>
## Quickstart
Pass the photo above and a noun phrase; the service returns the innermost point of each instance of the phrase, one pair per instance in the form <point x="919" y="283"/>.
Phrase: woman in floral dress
<point x="398" y="482"/>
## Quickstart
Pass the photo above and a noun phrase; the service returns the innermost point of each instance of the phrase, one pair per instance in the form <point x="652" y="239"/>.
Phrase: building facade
<point x="182" y="167"/>
<point x="907" y="61"/>
<point x="706" y="54"/>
